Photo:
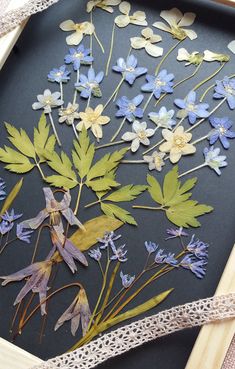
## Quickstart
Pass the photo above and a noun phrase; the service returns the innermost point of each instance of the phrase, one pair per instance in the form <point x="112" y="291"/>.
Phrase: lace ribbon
<point x="123" y="339"/>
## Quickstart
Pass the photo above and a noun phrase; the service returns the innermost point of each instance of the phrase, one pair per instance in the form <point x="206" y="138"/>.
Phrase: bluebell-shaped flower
<point x="160" y="257"/>
<point x="170" y="259"/>
<point x="129" y="108"/>
<point x="127" y="280"/>
<point x="2" y="189"/>
<point x="178" y="232"/>
<point x="109" y="240"/>
<point x="23" y="235"/>
<point x="78" y="56"/>
<point x="95" y="254"/>
<point x="226" y="88"/>
<point x="119" y="254"/>
<point x="150" y="246"/>
<point x="11" y="216"/>
<point x="163" y="119"/>
<point x="191" y="109"/>
<point x="5" y="227"/>
<point x="198" y="248"/>
<point x="162" y="83"/>
<point x="221" y="131"/>
<point x="197" y="267"/>
<point x="214" y="160"/>
<point x="59" y="75"/>
<point x="90" y="84"/>
<point x="129" y="69"/>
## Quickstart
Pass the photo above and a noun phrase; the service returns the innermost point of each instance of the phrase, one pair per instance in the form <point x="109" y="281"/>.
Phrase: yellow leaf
<point x="11" y="197"/>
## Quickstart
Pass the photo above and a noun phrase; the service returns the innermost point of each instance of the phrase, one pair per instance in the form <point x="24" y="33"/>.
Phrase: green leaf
<point x="94" y="228"/>
<point x="184" y="214"/>
<point x="83" y="154"/>
<point x="110" y="175"/>
<point x="20" y="140"/>
<point x="60" y="181"/>
<point x="102" y="184"/>
<point x="16" y="161"/>
<point x="181" y="192"/>
<point x="11" y="197"/>
<point x="154" y="189"/>
<point x="20" y="168"/>
<point x="117" y="212"/>
<point x="61" y="164"/>
<point x="170" y="184"/>
<point x="126" y="193"/>
<point x="42" y="140"/>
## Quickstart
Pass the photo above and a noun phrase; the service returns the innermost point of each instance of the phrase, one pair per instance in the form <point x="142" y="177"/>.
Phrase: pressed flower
<point x="130" y="108"/>
<point x="109" y="240"/>
<point x="162" y="83"/>
<point x="106" y="5"/>
<point x="10" y="216"/>
<point x="231" y="46"/>
<point x="23" y="235"/>
<point x="191" y="58"/>
<point x="150" y="246"/>
<point x="37" y="275"/>
<point x="47" y="101"/>
<point x="119" y="254"/>
<point x="5" y="227"/>
<point x="226" y="88"/>
<point x="155" y="161"/>
<point x="163" y="119"/>
<point x="197" y="267"/>
<point x="126" y="279"/>
<point x="78" y="56"/>
<point x="54" y="209"/>
<point x="214" y="160"/>
<point x="147" y="42"/>
<point x="59" y="75"/>
<point x="198" y="248"/>
<point x="129" y="69"/>
<point x="191" y="109"/>
<point x="170" y="259"/>
<point x="211" y="56"/>
<point x="176" y="23"/>
<point x="177" y="143"/>
<point x="69" y="114"/>
<point x="2" y="189"/>
<point x="95" y="254"/>
<point x="160" y="257"/>
<point x="90" y="84"/>
<point x="174" y="233"/>
<point x="78" y="310"/>
<point x="93" y="118"/>
<point x="139" y="135"/>
<point x="221" y="130"/>
<point x="80" y="29"/>
<point x="138" y="18"/>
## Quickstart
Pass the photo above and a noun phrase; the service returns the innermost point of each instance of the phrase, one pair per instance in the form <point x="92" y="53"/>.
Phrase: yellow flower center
<point x="79" y="55"/>
<point x="130" y="69"/>
<point x="191" y="107"/>
<point x="178" y="33"/>
<point x="230" y="90"/>
<point x="68" y="111"/>
<point x="141" y="134"/>
<point x="179" y="141"/>
<point x="222" y="130"/>
<point x="157" y="161"/>
<point x="58" y="74"/>
<point x="48" y="101"/>
<point x="158" y="82"/>
<point x="132" y="107"/>
<point x="79" y="27"/>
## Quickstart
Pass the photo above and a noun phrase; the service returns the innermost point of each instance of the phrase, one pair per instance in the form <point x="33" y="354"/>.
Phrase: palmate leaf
<point x="16" y="162"/>
<point x="115" y="211"/>
<point x="42" y="140"/>
<point x="126" y="193"/>
<point x="21" y="140"/>
<point x="101" y="184"/>
<point x="83" y="154"/>
<point x="155" y="190"/>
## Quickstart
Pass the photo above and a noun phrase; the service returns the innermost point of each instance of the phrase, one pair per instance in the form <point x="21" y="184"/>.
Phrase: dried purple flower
<point x="197" y="267"/>
<point x="178" y="232"/>
<point x="198" y="248"/>
<point x="127" y="280"/>
<point x="10" y="217"/>
<point x="108" y="240"/>
<point x="119" y="254"/>
<point x="23" y="235"/>
<point x="150" y="247"/>
<point x="95" y="254"/>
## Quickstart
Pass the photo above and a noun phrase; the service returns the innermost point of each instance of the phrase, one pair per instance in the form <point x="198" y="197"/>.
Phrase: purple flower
<point x="90" y="84"/>
<point x="23" y="235"/>
<point x="78" y="56"/>
<point x="119" y="254"/>
<point x="214" y="160"/>
<point x="178" y="232"/>
<point x="198" y="248"/>
<point x="170" y="259"/>
<point x="108" y="240"/>
<point x="95" y="254"/>
<point x="197" y="267"/>
<point x="5" y="227"/>
<point x="129" y="69"/>
<point x="221" y="131"/>
<point x="226" y="88"/>
<point x="127" y="280"/>
<point x="39" y="274"/>
<point x="10" y="217"/>
<point x="162" y="83"/>
<point x="59" y="75"/>
<point x="150" y="247"/>
<point x="160" y="257"/>
<point x="129" y="108"/>
<point x="2" y="189"/>
<point x="189" y="108"/>
<point x="78" y="310"/>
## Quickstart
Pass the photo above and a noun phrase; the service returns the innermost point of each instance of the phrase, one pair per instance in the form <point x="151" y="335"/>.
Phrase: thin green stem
<point x="76" y="92"/>
<point x="112" y="299"/>
<point x="7" y="243"/>
<point x="54" y="129"/>
<point x="200" y="139"/>
<point x="192" y="170"/>
<point x="75" y="131"/>
<point x="109" y="144"/>
<point x="114" y="93"/>
<point x="92" y="203"/>
<point x="118" y="131"/>
<point x="61" y="93"/>
<point x="78" y="198"/>
<point x="147" y="207"/>
<point x="91" y="36"/>
<point x="40" y="169"/>
<point x="132" y="161"/>
<point x="208" y="78"/>
<point x="148" y="101"/>
<point x="88" y="101"/>
<point x="110" y="50"/>
<point x="166" y="55"/>
<point x="99" y="42"/>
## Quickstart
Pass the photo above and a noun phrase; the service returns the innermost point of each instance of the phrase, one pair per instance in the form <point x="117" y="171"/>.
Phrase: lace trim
<point x="123" y="339"/>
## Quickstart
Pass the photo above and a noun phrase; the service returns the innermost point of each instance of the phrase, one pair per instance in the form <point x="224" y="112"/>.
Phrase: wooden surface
<point x="226" y="2"/>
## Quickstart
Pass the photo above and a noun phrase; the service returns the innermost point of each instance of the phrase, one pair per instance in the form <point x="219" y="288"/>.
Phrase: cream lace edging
<point x="123" y="339"/>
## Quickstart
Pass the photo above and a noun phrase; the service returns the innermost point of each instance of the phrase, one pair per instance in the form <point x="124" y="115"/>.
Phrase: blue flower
<point x="95" y="254"/>
<point x="226" y="88"/>
<point x="129" y="69"/>
<point x="197" y="267"/>
<point x="163" y="119"/>
<point x="78" y="56"/>
<point x="160" y="257"/>
<point x="2" y="189"/>
<point x="198" y="248"/>
<point x="170" y="259"/>
<point x="11" y="216"/>
<point x="178" y="232"/>
<point x="127" y="280"/>
<point x="5" y="227"/>
<point x="119" y="254"/>
<point x="90" y="84"/>
<point x="221" y="131"/>
<point x="162" y="83"/>
<point x="23" y="235"/>
<point x="150" y="247"/>
<point x="214" y="160"/>
<point x="129" y="108"/>
<point x="108" y="240"/>
<point x="189" y="108"/>
<point x="59" y="75"/>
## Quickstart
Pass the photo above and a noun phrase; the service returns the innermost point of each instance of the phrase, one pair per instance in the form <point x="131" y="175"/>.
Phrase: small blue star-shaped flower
<point x="129" y="69"/>
<point x="59" y="75"/>
<point x="78" y="56"/>
<point x="90" y="84"/>
<point x="221" y="131"/>
<point x="189" y="108"/>
<point x="226" y="88"/>
<point x="129" y="108"/>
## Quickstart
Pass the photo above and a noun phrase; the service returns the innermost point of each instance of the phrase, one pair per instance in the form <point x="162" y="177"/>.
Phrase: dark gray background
<point x="41" y="47"/>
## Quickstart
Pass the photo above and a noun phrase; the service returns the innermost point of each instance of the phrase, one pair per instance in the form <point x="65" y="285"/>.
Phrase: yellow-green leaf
<point x="102" y="184"/>
<point x="41" y="133"/>
<point x="61" y="164"/>
<point x="83" y="154"/>
<point x="154" y="189"/>
<point x="170" y="184"/>
<point x="126" y="193"/>
<point x="20" y="168"/>
<point x="9" y="155"/>
<point x="11" y="197"/>
<point x="20" y="140"/>
<point x="94" y="228"/>
<point x="60" y="181"/>
<point x="50" y="145"/>
<point x="115" y="211"/>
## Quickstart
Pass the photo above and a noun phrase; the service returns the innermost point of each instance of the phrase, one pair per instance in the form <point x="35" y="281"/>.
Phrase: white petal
<point x="209" y="55"/>
<point x="139" y="22"/>
<point x="187" y="20"/>
<point x="112" y="2"/>
<point x="90" y="5"/>
<point x="37" y="105"/>
<point x="167" y="135"/>
<point x="147" y="32"/>
<point x="190" y="33"/>
<point x="231" y="46"/>
<point x="162" y="26"/>
<point x="183" y="54"/>
<point x="136" y="126"/>
<point x="138" y="42"/>
<point x="150" y="132"/>
<point x="172" y="17"/>
<point x="122" y="20"/>
<point x="125" y="7"/>
<point x="155" y="38"/>
<point x="88" y="28"/>
<point x="135" y="145"/>
<point x="75" y="38"/>
<point x="154" y="50"/>
<point x="67" y="25"/>
<point x="129" y="136"/>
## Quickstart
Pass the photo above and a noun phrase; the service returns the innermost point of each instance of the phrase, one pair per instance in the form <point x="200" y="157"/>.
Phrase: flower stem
<point x="118" y="131"/>
<point x="7" y="243"/>
<point x="91" y="36"/>
<point x="99" y="42"/>
<point x="109" y="144"/>
<point x="54" y="129"/>
<point x="40" y="169"/>
<point x="92" y="203"/>
<point x="200" y="139"/>
<point x="88" y="101"/>
<point x="165" y="56"/>
<point x="110" y="50"/>
<point x="61" y="93"/>
<point x="147" y="207"/>
<point x="208" y="78"/>
<point x="78" y="198"/>
<point x="76" y="92"/>
<point x="132" y="161"/>
<point x="192" y="170"/>
<point x="75" y="131"/>
<point x="148" y="101"/>
<point x="114" y="93"/>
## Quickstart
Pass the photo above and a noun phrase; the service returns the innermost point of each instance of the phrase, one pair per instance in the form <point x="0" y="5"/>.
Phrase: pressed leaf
<point x="42" y="140"/>
<point x="102" y="184"/>
<point x="9" y="155"/>
<point x="126" y="193"/>
<point x="60" y="181"/>
<point x="83" y="154"/>
<point x="11" y="197"/>
<point x="50" y="145"/>
<point x="61" y="164"/>
<point x="111" y="175"/>
<point x="154" y="189"/>
<point x="181" y="192"/>
<point x="170" y="184"/>
<point x="94" y="228"/>
<point x="20" y="168"/>
<point x="20" y="140"/>
<point x="117" y="212"/>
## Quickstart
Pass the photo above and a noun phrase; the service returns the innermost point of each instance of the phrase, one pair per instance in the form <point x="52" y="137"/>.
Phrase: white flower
<point x="93" y="118"/>
<point x="155" y="160"/>
<point x="176" y="21"/>
<point x="231" y="46"/>
<point x="47" y="101"/>
<point x="80" y="29"/>
<point x="69" y="114"/>
<point x="147" y="41"/>
<point x="138" y="17"/>
<point x="194" y="58"/>
<point x="139" y="135"/>
<point x="211" y="56"/>
<point x="163" y="119"/>
<point x="214" y="160"/>
<point x="103" y="4"/>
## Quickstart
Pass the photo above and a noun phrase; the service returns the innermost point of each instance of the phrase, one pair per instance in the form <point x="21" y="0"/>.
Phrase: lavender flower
<point x="5" y="227"/>
<point x="129" y="108"/>
<point x="170" y="259"/>
<point x="78" y="56"/>
<point x="221" y="131"/>
<point x="10" y="217"/>
<point x="162" y="83"/>
<point x="129" y="69"/>
<point x="214" y="160"/>
<point x="198" y="248"/>
<point x="119" y="254"/>
<point x="127" y="280"/>
<point x="59" y="75"/>
<point x="90" y="84"/>
<point x="108" y="240"/>
<point x="2" y="189"/>
<point x="197" y="267"/>
<point x="95" y="254"/>
<point x="189" y="108"/>
<point x="23" y="235"/>
<point x="178" y="232"/>
<point x="150" y="247"/>
<point x="226" y="88"/>
<point x="160" y="257"/>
